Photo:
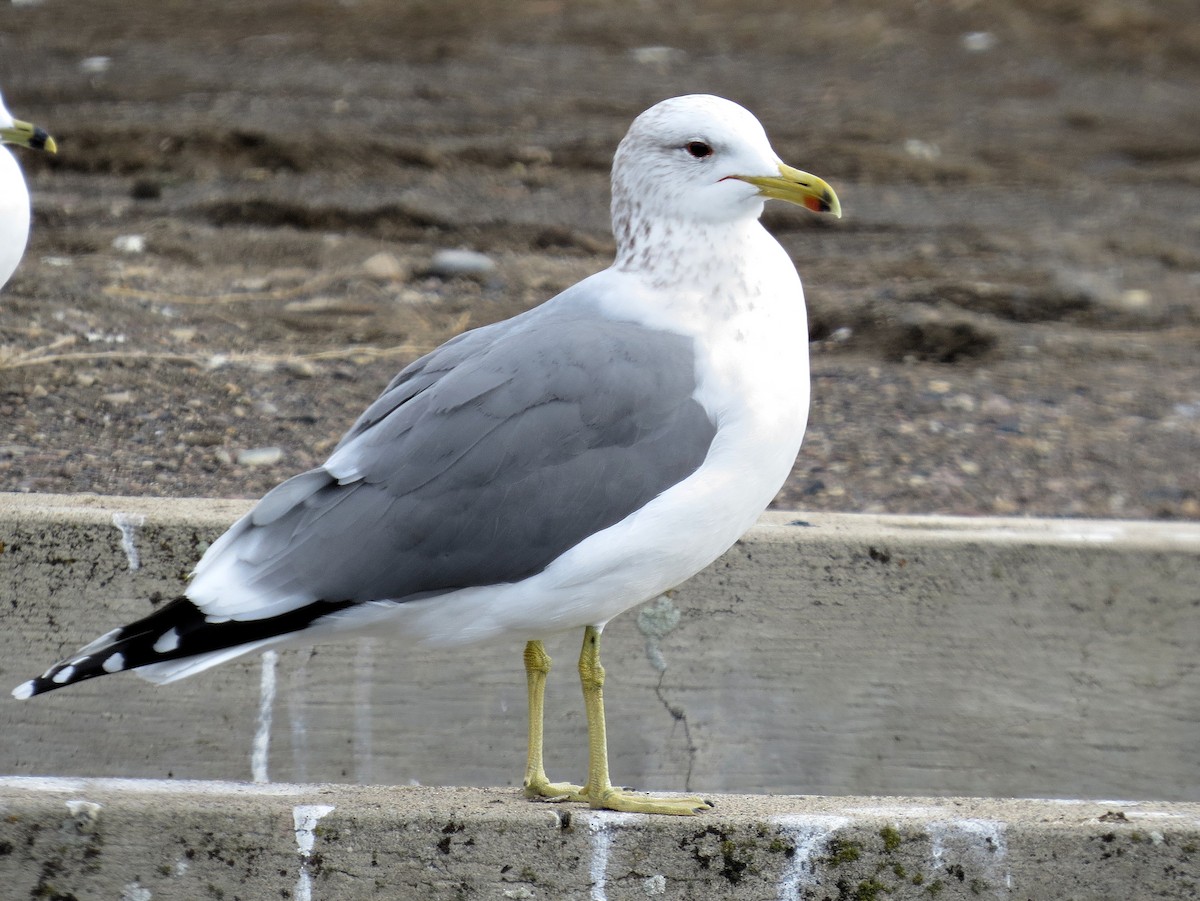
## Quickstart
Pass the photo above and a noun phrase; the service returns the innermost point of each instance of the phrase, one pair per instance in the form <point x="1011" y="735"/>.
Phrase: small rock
<point x="922" y="150"/>
<point x="657" y="56"/>
<point x="534" y="155"/>
<point x="260" y="456"/>
<point x="979" y="41"/>
<point x="300" y="369"/>
<point x="963" y="402"/>
<point x="200" y="439"/>
<point x="129" y="243"/>
<point x="118" y="398"/>
<point x="145" y="189"/>
<point x="655" y="885"/>
<point x="95" y="65"/>
<point x="384" y="267"/>
<point x="1136" y="299"/>
<point x="461" y="263"/>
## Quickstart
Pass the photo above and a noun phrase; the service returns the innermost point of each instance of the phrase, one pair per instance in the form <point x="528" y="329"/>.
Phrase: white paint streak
<point x="808" y="833"/>
<point x="364" y="663"/>
<point x="655" y="885"/>
<point x="908" y="811"/>
<point x="297" y="707"/>
<point x="135" y="891"/>
<point x="983" y="842"/>
<point x="74" y="786"/>
<point x="260" y="752"/>
<point x="305" y="817"/>
<point x="656" y="621"/>
<point x="88" y="810"/>
<point x="601" y="825"/>
<point x="129" y="523"/>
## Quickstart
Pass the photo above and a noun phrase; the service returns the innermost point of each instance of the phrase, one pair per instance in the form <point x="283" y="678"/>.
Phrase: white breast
<point x="14" y="214"/>
<point x="752" y="374"/>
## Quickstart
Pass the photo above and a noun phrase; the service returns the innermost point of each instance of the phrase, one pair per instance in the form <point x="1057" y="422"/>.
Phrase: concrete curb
<point x="905" y="656"/>
<point x="141" y="839"/>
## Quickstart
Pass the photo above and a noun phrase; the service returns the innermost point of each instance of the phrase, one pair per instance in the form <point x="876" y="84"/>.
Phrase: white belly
<point x="14" y="215"/>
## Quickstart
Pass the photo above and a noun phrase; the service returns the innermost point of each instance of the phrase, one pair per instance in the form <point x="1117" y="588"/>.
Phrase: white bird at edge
<point x="14" y="195"/>
<point x="547" y="472"/>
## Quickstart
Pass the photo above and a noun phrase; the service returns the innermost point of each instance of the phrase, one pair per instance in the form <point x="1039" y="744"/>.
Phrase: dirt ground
<point x="232" y="250"/>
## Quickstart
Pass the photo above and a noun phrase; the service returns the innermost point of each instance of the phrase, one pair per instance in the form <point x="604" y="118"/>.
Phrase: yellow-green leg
<point x="537" y="785"/>
<point x="599" y="791"/>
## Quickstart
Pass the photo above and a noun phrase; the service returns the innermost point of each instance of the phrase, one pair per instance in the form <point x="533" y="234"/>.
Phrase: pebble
<point x="979" y="41"/>
<point x="95" y="65"/>
<point x="129" y="243"/>
<point x="384" y="267"/>
<point x="461" y="263"/>
<point x="657" y="55"/>
<point x="922" y="150"/>
<point x="260" y="456"/>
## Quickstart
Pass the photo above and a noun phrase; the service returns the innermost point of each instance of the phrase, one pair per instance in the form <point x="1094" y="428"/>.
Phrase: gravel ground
<point x="235" y="247"/>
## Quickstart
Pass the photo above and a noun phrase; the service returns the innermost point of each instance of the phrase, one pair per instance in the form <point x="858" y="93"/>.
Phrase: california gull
<point x="547" y="472"/>
<point x="14" y="195"/>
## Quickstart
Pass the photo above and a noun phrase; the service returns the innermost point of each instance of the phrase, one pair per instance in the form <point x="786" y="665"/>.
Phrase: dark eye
<point x="699" y="149"/>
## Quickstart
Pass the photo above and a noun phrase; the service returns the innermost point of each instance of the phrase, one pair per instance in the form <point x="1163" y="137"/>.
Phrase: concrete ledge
<point x="848" y="655"/>
<point x="138" y="839"/>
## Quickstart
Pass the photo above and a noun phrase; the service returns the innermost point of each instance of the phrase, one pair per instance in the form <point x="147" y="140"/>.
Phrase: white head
<point x="701" y="159"/>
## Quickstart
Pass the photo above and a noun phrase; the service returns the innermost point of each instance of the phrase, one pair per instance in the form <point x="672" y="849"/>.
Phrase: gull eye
<point x="699" y="149"/>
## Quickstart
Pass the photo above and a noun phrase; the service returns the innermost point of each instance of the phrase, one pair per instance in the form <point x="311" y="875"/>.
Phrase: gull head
<point x="703" y="160"/>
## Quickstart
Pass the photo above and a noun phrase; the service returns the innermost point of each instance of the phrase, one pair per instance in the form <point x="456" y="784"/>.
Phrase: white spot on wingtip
<point x="129" y="523"/>
<point x="114" y="664"/>
<point x="23" y="691"/>
<point x="167" y="642"/>
<point x="63" y="675"/>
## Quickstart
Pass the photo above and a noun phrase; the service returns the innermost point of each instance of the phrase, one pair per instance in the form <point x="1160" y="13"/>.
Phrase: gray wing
<point x="479" y="464"/>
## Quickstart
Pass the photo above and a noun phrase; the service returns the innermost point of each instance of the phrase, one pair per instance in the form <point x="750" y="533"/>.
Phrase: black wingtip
<point x="175" y="631"/>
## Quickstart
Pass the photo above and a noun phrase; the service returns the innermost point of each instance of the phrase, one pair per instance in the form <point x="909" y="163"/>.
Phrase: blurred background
<point x="244" y="233"/>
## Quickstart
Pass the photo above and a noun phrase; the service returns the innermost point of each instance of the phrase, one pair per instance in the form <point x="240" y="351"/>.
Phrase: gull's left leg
<point x="537" y="785"/>
<point x="599" y="791"/>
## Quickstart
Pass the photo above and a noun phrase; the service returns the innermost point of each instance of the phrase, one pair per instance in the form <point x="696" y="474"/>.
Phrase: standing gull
<point x="544" y="473"/>
<point x="14" y="196"/>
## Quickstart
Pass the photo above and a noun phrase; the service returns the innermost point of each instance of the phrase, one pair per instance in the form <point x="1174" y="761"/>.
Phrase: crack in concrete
<point x="655" y="621"/>
<point x="679" y="715"/>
